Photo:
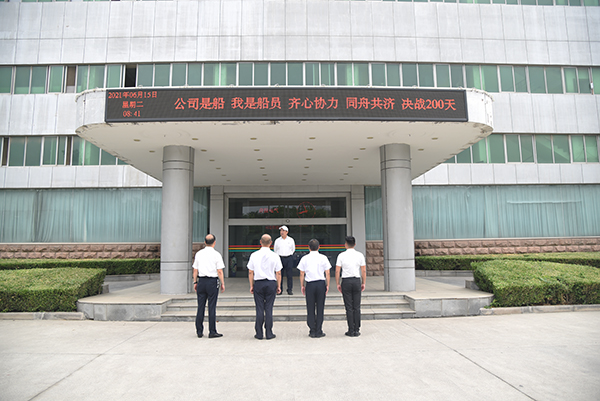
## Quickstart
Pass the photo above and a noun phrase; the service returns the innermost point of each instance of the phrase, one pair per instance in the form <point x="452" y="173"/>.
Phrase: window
<point x="38" y="79"/>
<point x="327" y="74"/>
<point x="426" y="75"/>
<point x="591" y="148"/>
<point x="496" y="148"/>
<point x="464" y="156"/>
<point x="245" y="74"/>
<point x="82" y="78"/>
<point x="409" y="75"/>
<point x="378" y="74"/>
<point x="5" y="79"/>
<point x="361" y="74"/>
<point x="526" y="148"/>
<point x="513" y="151"/>
<point x="393" y="74"/>
<point x="571" y="82"/>
<point x="145" y="73"/>
<point x="506" y="78"/>
<point x="584" y="80"/>
<point x="554" y="80"/>
<point x="489" y="77"/>
<point x="22" y="76"/>
<point x="473" y="77"/>
<point x="442" y="76"/>
<point x="543" y="147"/>
<point x="113" y="76"/>
<point x="33" y="151"/>
<point x="211" y="74"/>
<point x="50" y="150"/>
<point x="278" y="74"/>
<point x="578" y="148"/>
<point x="456" y="72"/>
<point x="228" y="74"/>
<point x="194" y="74"/>
<point x="561" y="149"/>
<point x="479" y="151"/>
<point x="344" y="74"/>
<point x="162" y="74"/>
<point x="16" y="151"/>
<point x="295" y="74"/>
<point x="55" y="83"/>
<point x="261" y="74"/>
<point x="178" y="74"/>
<point x="311" y="75"/>
<point x="537" y="82"/>
<point x="520" y="79"/>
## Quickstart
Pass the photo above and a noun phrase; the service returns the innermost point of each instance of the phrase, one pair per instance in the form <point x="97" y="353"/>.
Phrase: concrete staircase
<point x="291" y="308"/>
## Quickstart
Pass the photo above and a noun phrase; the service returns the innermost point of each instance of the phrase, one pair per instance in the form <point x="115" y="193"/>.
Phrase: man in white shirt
<point x="354" y="276"/>
<point x="314" y="269"/>
<point x="208" y="266"/>
<point x="264" y="274"/>
<point x="285" y="246"/>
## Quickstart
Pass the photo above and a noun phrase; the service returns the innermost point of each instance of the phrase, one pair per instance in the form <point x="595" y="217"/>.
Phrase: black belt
<point x="206" y="277"/>
<point x="343" y="278"/>
<point x="288" y="256"/>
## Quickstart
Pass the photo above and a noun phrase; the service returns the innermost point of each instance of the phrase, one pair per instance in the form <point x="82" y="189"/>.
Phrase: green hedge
<point x="112" y="266"/>
<point x="47" y="290"/>
<point x="463" y="262"/>
<point x="521" y="283"/>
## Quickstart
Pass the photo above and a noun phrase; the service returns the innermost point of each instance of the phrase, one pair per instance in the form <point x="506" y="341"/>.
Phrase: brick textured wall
<point x="484" y="247"/>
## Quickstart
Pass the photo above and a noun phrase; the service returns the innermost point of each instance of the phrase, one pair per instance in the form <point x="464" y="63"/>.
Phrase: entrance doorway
<point x="324" y="219"/>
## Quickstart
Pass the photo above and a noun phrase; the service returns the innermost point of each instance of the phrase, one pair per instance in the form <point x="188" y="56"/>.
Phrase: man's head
<point x="210" y="239"/>
<point x="350" y="242"/>
<point x="265" y="240"/>
<point x="313" y="245"/>
<point x="283" y="231"/>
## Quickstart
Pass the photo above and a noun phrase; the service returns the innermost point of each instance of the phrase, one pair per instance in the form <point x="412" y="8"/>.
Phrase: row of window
<point x="491" y="78"/>
<point x="21" y="151"/>
<point x="574" y="3"/>
<point x="519" y="148"/>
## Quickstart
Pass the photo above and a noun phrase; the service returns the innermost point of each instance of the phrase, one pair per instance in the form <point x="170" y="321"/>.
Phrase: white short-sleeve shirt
<point x="264" y="263"/>
<point x="350" y="260"/>
<point x="314" y="266"/>
<point x="207" y="261"/>
<point x="284" y="247"/>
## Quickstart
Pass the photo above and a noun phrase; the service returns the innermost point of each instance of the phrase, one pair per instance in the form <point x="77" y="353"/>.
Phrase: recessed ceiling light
<point x="306" y="167"/>
<point x="218" y="168"/>
<point x="345" y="173"/>
<point x="420" y="150"/>
<point x="434" y="139"/>
<point x="256" y="150"/>
<point x="194" y="139"/>
<point x="202" y="150"/>
<point x="363" y="148"/>
<point x="369" y="137"/>
<point x="356" y="158"/>
<point x="211" y="160"/>
<point x="262" y="168"/>
<point x="308" y="158"/>
<point x="253" y="139"/>
<point x="223" y="175"/>
<point x="152" y="151"/>
<point x="258" y="160"/>
<point x="264" y="175"/>
<point x="312" y="137"/>
<point x="350" y="166"/>
<point x="304" y="174"/>
<point x="136" y="140"/>
<point x="309" y="149"/>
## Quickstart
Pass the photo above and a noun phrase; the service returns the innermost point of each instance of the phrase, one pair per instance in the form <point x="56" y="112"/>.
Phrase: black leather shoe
<point x="215" y="335"/>
<point x="349" y="333"/>
<point x="200" y="335"/>
<point x="312" y="335"/>
<point x="356" y="333"/>
<point x="321" y="334"/>
<point x="257" y="337"/>
<point x="290" y="292"/>
<point x="272" y="336"/>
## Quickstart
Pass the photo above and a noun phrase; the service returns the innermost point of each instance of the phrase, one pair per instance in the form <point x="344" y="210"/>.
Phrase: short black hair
<point x="210" y="239"/>
<point x="313" y="245"/>
<point x="351" y="241"/>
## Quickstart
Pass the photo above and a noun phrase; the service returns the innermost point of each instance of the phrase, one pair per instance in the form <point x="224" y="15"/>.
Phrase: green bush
<point x="112" y="266"/>
<point x="463" y="262"/>
<point x="521" y="283"/>
<point x="48" y="290"/>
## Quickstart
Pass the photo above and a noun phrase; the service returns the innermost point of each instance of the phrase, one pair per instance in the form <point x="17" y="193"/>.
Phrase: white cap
<point x="284" y="228"/>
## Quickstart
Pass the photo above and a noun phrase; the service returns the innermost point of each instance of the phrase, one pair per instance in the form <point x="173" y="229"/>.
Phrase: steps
<point x="290" y="308"/>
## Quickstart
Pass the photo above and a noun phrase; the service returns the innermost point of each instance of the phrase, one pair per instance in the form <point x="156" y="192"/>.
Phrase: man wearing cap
<point x="264" y="274"/>
<point x="208" y="269"/>
<point x="314" y="269"/>
<point x="353" y="269"/>
<point x="285" y="248"/>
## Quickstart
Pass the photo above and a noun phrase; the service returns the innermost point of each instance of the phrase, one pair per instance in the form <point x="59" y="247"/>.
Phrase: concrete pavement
<point x="549" y="356"/>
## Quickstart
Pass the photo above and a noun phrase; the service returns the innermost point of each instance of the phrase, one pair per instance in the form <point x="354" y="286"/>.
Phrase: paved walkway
<point x="549" y="356"/>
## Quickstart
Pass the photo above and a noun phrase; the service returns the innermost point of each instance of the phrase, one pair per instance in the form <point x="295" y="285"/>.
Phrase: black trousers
<point x="315" y="305"/>
<point x="264" y="298"/>
<point x="288" y="271"/>
<point x="207" y="289"/>
<point x="351" y="289"/>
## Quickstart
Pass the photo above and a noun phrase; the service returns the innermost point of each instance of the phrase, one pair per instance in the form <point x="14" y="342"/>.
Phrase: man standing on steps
<point x="264" y="274"/>
<point x="314" y="267"/>
<point x="208" y="271"/>
<point x="354" y="276"/>
<point x="285" y="246"/>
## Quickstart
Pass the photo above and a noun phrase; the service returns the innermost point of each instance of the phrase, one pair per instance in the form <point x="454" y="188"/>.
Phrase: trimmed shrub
<point x="47" y="290"/>
<point x="463" y="262"/>
<point x="521" y="283"/>
<point x="112" y="266"/>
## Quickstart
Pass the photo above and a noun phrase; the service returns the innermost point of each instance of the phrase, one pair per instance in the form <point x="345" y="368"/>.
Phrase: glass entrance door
<point x="323" y="219"/>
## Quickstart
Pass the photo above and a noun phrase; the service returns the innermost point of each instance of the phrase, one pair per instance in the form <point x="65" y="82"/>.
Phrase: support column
<point x="357" y="207"/>
<point x="176" y="221"/>
<point x="216" y="222"/>
<point x="398" y="234"/>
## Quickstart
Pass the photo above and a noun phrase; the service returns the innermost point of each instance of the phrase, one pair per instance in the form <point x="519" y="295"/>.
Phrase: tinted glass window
<point x="496" y="148"/>
<point x="543" y="148"/>
<point x="34" y="151"/>
<point x="393" y="74"/>
<point x="409" y="75"/>
<point x="561" y="149"/>
<point x="5" y="79"/>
